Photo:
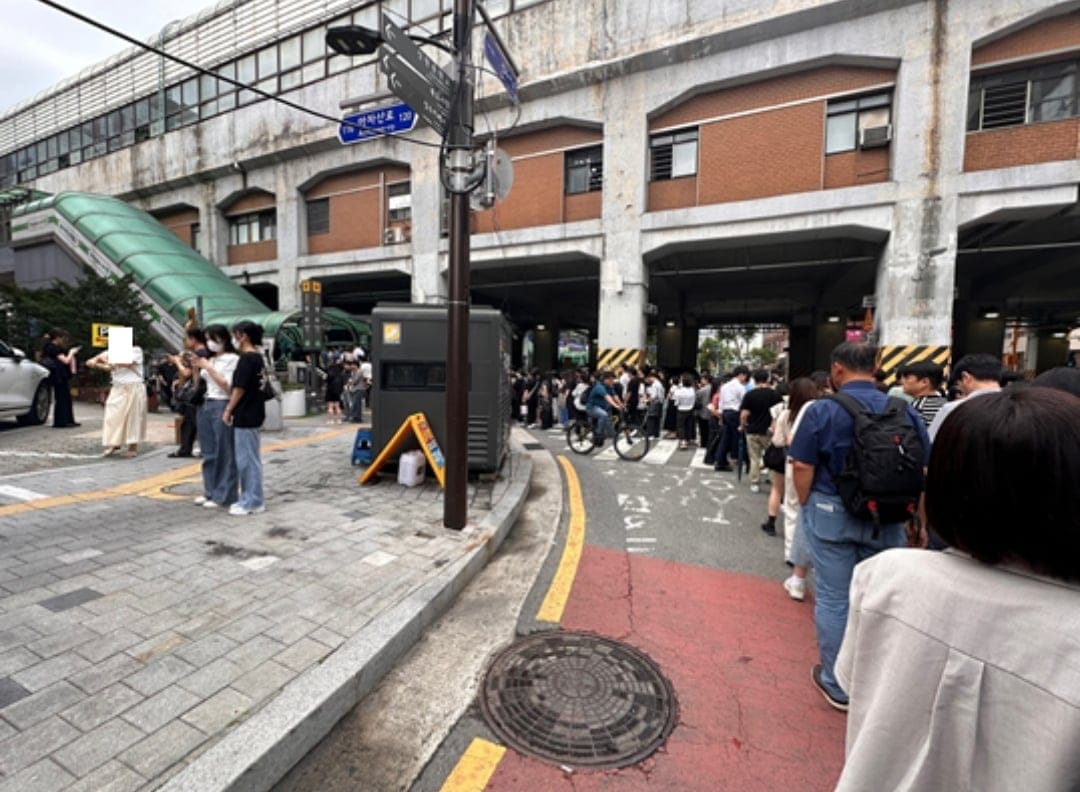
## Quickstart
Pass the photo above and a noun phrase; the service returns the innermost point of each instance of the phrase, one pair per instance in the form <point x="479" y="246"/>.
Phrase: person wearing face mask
<point x="220" y="477"/>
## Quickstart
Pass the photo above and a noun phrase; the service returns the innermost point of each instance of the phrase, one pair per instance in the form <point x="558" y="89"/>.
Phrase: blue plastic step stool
<point x="363" y="453"/>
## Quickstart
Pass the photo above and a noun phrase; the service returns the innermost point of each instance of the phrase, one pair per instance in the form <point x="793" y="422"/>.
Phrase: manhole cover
<point x="579" y="700"/>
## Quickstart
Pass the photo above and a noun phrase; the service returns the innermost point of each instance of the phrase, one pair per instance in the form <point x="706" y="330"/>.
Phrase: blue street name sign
<point x="389" y="120"/>
<point x="502" y="66"/>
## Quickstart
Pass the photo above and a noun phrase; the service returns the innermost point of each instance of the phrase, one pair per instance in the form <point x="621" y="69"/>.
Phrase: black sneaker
<point x="815" y="677"/>
<point x="770" y="530"/>
<point x="723" y="468"/>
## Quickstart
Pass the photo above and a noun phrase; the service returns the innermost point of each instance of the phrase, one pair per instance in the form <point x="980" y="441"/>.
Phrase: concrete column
<point x="623" y="275"/>
<point x="917" y="271"/>
<point x="291" y="234"/>
<point x="429" y="285"/>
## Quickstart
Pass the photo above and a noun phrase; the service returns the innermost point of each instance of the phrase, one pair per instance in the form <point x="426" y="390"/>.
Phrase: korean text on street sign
<point x="502" y="66"/>
<point x="424" y="97"/>
<point x="398" y="41"/>
<point x="373" y="123"/>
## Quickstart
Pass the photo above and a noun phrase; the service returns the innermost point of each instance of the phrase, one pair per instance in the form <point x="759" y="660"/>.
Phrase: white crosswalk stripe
<point x="698" y="460"/>
<point x="660" y="451"/>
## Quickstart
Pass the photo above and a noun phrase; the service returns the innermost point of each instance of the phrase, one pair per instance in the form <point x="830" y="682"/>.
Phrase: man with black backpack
<point x="859" y="460"/>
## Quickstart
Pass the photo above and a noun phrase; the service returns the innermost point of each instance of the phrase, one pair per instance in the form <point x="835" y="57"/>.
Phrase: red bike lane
<point x="738" y="653"/>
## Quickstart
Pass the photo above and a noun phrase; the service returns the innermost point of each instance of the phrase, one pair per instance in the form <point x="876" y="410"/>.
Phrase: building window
<point x="255" y="227"/>
<point x="847" y="118"/>
<point x="398" y="202"/>
<point x="673" y="154"/>
<point x="195" y="237"/>
<point x="585" y="170"/>
<point x="1023" y="96"/>
<point x="318" y="216"/>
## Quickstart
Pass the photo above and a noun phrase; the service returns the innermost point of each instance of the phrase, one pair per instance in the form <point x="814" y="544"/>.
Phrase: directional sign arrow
<point x="399" y="41"/>
<point x="431" y="102"/>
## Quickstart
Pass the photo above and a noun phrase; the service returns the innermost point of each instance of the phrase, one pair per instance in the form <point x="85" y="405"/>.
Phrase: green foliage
<point x="762" y="356"/>
<point x="26" y="314"/>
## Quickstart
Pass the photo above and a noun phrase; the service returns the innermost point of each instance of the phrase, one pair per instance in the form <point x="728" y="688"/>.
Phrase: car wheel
<point x="39" y="409"/>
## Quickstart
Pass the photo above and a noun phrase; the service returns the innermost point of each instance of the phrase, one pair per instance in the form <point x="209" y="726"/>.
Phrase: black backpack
<point x="882" y="477"/>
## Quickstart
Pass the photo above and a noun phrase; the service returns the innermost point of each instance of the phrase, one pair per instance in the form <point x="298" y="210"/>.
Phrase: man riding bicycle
<point x="601" y="401"/>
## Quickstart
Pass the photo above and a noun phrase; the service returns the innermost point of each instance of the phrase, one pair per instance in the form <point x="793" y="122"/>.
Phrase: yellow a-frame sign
<point x="418" y="425"/>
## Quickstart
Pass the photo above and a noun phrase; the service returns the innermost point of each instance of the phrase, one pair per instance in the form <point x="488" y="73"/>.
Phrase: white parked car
<point x="25" y="392"/>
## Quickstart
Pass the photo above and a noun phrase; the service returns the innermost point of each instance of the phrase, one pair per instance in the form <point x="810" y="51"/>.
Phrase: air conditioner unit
<point x="874" y="137"/>
<point x="394" y="235"/>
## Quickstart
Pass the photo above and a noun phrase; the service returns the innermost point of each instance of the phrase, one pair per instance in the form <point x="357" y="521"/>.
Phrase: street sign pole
<point x="459" y="142"/>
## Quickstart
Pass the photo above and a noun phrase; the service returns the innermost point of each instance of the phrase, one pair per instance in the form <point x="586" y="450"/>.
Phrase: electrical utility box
<point x="408" y="356"/>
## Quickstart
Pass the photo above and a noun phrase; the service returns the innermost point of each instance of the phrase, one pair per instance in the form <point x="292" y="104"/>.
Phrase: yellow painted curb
<point x="475" y="767"/>
<point x="551" y="610"/>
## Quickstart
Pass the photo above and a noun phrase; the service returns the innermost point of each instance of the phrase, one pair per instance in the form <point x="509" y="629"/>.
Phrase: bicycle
<point x="630" y="441"/>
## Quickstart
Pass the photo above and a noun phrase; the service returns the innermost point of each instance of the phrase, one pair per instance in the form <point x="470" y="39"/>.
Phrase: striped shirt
<point x="928" y="406"/>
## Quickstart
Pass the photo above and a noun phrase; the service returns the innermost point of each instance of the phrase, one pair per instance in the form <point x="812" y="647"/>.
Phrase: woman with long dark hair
<point x="801" y="392"/>
<point x="60" y="365"/>
<point x="220" y="478"/>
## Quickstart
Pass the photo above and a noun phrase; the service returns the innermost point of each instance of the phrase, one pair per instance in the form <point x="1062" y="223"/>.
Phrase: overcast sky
<point x="43" y="46"/>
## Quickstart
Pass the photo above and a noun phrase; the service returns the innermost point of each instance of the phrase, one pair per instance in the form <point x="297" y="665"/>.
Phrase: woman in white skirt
<point x="125" y="409"/>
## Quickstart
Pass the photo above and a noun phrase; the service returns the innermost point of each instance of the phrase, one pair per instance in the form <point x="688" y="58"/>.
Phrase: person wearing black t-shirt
<point x="755" y="417"/>
<point x="245" y="413"/>
<point x="59" y="364"/>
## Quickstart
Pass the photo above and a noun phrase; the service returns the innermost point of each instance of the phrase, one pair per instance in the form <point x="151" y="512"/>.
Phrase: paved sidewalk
<point x="147" y="642"/>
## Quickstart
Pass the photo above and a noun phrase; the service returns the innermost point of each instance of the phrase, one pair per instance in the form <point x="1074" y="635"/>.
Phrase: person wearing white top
<point x="124" y="423"/>
<point x="221" y="481"/>
<point x="963" y="667"/>
<point x="684" y="397"/>
<point x="731" y="396"/>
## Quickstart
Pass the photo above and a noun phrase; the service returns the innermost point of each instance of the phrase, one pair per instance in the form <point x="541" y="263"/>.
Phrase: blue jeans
<point x="838" y="542"/>
<point x="249" y="467"/>
<point x="601" y="420"/>
<point x="218" y="454"/>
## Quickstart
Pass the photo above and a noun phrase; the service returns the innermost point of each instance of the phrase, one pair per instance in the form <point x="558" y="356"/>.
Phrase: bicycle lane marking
<point x="551" y="609"/>
<point x="145" y="486"/>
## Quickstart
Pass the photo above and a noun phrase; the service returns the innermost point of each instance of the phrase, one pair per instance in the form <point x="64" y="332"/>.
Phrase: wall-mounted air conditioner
<point x="874" y="137"/>
<point x="395" y="235"/>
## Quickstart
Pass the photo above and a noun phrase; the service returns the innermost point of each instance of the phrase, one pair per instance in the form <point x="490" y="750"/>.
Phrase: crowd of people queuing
<point x="947" y="635"/>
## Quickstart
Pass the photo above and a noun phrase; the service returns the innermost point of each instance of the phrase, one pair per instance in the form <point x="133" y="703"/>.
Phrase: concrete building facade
<point x="675" y="165"/>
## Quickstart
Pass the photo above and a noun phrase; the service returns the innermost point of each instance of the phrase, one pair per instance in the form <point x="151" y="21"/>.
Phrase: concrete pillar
<point x="291" y="236"/>
<point x="623" y="276"/>
<point x="429" y="285"/>
<point x="917" y="272"/>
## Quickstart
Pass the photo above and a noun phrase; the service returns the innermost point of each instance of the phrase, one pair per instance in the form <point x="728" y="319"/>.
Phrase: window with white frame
<point x="846" y="118"/>
<point x="254" y="227"/>
<point x="398" y="202"/>
<point x="673" y="154"/>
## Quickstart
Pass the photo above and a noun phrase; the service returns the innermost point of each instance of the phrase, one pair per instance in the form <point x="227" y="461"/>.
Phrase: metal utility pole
<point x="460" y="166"/>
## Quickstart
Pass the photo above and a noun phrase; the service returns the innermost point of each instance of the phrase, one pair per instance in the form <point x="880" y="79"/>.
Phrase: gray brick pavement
<point x="143" y="630"/>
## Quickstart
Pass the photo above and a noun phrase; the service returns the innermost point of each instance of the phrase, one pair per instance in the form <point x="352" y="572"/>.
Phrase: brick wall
<point x="771" y="153"/>
<point x="1049" y="141"/>
<point x="357" y="208"/>
<point x="775" y="150"/>
<point x="180" y="221"/>
<point x="253" y="251"/>
<point x="856" y="167"/>
<point x="538" y="195"/>
<point x="789" y="88"/>
<point x="1056" y="33"/>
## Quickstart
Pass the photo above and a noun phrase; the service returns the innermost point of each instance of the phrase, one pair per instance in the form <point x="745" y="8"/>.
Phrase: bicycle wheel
<point x="579" y="436"/>
<point x="631" y="443"/>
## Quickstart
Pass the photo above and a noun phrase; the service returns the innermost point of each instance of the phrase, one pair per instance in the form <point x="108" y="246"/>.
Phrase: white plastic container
<point x="411" y="468"/>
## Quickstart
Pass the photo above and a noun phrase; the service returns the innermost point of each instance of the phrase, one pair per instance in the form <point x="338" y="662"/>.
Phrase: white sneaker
<point x="238" y="510"/>
<point x="796" y="588"/>
<point x="199" y="501"/>
<point x="755" y="488"/>
<point x="209" y="504"/>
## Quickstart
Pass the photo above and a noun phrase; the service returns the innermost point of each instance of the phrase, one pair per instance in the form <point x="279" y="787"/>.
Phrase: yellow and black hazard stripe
<point x="610" y="358"/>
<point x="892" y="358"/>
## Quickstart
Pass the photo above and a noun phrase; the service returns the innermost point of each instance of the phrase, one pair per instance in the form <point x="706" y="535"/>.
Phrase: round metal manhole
<point x="578" y="700"/>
